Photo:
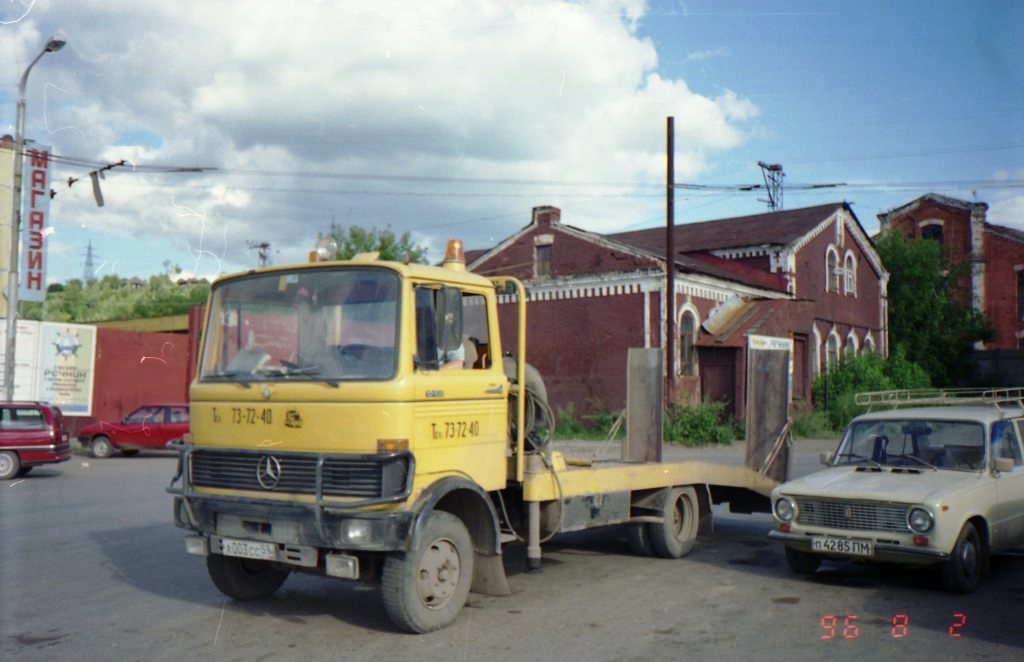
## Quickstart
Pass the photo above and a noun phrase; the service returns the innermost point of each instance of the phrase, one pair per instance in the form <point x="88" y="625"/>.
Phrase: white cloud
<point x="529" y="90"/>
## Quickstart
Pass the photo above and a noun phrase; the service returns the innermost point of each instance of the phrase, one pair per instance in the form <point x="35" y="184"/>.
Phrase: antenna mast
<point x="773" y="177"/>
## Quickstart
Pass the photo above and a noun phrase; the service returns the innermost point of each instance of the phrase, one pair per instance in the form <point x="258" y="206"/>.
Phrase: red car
<point x="31" y="433"/>
<point x="149" y="426"/>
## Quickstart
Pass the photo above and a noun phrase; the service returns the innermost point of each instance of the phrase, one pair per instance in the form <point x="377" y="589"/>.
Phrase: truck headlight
<point x="920" y="520"/>
<point x="785" y="510"/>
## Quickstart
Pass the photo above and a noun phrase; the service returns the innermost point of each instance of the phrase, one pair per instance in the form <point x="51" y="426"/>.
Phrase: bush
<point x="812" y="425"/>
<point x="698" y="425"/>
<point x="835" y="390"/>
<point x="566" y="425"/>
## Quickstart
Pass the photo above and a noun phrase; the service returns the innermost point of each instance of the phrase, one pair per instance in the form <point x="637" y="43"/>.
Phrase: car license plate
<point x="247" y="549"/>
<point x="842" y="546"/>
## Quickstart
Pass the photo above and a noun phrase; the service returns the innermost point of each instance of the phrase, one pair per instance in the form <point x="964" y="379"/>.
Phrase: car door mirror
<point x="1003" y="464"/>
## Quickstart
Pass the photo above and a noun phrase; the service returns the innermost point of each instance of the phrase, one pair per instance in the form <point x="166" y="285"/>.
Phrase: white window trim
<point x="687" y="308"/>
<point x="850" y="274"/>
<point x="869" y="343"/>
<point x="851" y="341"/>
<point x="833" y="336"/>
<point x="829" y="272"/>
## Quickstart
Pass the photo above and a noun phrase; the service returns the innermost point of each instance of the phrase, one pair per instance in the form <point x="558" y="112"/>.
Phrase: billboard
<point x="55" y="363"/>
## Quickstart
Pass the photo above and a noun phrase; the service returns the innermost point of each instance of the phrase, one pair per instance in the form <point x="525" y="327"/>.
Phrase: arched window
<point x="932" y="231"/>
<point x="869" y="344"/>
<point x="831" y="270"/>
<point x="687" y="340"/>
<point x="850" y="270"/>
<point x="850" y="349"/>
<point x="832" y="351"/>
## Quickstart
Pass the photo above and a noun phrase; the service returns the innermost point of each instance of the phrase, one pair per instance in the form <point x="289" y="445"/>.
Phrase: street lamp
<point x="52" y="46"/>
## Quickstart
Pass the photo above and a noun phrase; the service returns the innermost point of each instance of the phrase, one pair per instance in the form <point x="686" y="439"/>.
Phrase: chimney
<point x="545" y="217"/>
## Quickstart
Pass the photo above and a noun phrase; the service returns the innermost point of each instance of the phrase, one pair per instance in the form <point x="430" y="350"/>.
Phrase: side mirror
<point x="825" y="458"/>
<point x="1003" y="464"/>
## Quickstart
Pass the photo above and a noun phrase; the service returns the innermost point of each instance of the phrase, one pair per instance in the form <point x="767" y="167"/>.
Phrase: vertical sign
<point x="34" y="216"/>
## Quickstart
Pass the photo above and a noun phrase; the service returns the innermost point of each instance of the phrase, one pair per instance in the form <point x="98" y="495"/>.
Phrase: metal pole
<point x="52" y="46"/>
<point x="670" y="261"/>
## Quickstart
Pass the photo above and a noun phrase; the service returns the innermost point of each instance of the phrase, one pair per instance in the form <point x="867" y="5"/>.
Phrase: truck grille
<point x="852" y="515"/>
<point x="358" y="476"/>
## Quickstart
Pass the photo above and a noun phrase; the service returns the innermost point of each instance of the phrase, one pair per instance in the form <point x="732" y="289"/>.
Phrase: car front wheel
<point x="961" y="573"/>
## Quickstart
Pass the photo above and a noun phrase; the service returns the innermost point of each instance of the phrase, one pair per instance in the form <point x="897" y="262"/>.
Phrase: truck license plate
<point x="842" y="546"/>
<point x="247" y="549"/>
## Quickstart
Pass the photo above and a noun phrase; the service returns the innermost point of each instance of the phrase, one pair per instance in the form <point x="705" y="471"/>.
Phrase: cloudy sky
<point x="455" y="118"/>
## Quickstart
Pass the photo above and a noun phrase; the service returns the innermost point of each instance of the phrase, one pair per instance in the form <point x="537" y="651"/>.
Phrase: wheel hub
<point x="438" y="574"/>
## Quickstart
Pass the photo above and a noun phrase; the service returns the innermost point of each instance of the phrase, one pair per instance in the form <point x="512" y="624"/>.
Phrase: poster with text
<point x="67" y="360"/>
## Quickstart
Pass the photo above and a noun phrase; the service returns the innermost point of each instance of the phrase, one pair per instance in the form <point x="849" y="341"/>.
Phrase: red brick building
<point x="810" y="275"/>
<point x="995" y="255"/>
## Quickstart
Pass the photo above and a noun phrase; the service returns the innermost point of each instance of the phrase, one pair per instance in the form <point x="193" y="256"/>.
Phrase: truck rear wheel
<point x="425" y="589"/>
<point x="639" y="537"/>
<point x="244" y="579"/>
<point x="674" y="537"/>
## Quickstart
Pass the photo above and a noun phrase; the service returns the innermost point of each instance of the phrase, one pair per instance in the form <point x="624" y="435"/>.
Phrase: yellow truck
<point x="362" y="420"/>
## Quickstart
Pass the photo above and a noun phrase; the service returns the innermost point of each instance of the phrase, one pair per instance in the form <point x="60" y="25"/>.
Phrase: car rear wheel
<point x="101" y="447"/>
<point x="10" y="465"/>
<point x="961" y="572"/>
<point x="244" y="579"/>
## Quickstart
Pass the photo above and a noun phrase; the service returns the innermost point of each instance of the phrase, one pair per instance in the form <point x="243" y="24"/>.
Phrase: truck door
<point x="460" y="389"/>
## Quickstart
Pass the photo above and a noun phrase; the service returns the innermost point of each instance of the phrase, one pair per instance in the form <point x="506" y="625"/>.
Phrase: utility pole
<point x="670" y="259"/>
<point x="262" y="249"/>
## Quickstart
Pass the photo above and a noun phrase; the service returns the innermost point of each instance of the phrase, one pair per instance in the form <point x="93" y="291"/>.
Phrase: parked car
<point x="31" y="433"/>
<point x="940" y="485"/>
<point x="149" y="426"/>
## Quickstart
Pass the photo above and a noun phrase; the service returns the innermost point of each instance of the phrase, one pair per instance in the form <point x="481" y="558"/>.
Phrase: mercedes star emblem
<point x="268" y="472"/>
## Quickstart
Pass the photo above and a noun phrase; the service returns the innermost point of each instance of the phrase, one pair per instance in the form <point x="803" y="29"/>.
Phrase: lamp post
<point x="52" y="46"/>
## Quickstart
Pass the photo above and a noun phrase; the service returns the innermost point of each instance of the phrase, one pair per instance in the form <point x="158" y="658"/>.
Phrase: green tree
<point x="926" y="315"/>
<point x="114" y="298"/>
<point x="355" y="239"/>
<point x="836" y="389"/>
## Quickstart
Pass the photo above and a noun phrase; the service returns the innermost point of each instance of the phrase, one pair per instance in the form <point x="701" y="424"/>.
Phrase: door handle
<point x="494" y="390"/>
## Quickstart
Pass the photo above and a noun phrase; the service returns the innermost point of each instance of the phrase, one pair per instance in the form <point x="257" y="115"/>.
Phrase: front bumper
<point x="888" y="552"/>
<point x="321" y="523"/>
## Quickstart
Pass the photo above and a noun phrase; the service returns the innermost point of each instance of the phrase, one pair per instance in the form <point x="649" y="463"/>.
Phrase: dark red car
<point x="31" y="433"/>
<point x="149" y="426"/>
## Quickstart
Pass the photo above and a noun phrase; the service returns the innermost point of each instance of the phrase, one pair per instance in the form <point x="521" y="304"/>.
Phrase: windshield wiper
<point x="288" y="371"/>
<point x="227" y="376"/>
<point x="917" y="459"/>
<point x="859" y="458"/>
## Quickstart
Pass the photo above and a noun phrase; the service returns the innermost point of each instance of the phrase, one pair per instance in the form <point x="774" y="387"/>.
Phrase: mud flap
<point x="489" y="576"/>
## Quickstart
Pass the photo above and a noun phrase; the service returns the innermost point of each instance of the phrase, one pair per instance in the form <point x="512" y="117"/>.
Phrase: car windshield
<point x="303" y="325"/>
<point x="913" y="442"/>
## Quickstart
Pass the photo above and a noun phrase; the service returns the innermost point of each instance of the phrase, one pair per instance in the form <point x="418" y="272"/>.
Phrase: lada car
<point x="31" y="433"/>
<point x="149" y="426"/>
<point x="937" y="485"/>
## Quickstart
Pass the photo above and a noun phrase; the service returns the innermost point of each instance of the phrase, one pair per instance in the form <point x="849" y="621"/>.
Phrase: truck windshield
<point x="904" y="442"/>
<point x="308" y="324"/>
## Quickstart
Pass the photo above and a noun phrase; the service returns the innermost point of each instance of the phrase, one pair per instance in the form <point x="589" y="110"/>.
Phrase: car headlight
<point x="785" y="510"/>
<point x="920" y="520"/>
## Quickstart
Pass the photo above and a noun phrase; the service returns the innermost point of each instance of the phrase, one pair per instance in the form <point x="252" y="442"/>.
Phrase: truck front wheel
<point x="425" y="589"/>
<point x="674" y="537"/>
<point x="244" y="579"/>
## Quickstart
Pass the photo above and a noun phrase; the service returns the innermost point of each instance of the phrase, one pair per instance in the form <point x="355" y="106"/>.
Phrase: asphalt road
<point x="91" y="568"/>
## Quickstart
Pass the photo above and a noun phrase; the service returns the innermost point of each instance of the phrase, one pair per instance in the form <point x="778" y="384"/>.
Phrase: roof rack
<point x="942" y="397"/>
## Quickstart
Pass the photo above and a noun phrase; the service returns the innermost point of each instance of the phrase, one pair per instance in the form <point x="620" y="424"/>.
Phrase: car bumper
<point x="884" y="551"/>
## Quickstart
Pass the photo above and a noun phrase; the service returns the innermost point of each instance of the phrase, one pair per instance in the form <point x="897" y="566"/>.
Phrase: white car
<point x="928" y="485"/>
